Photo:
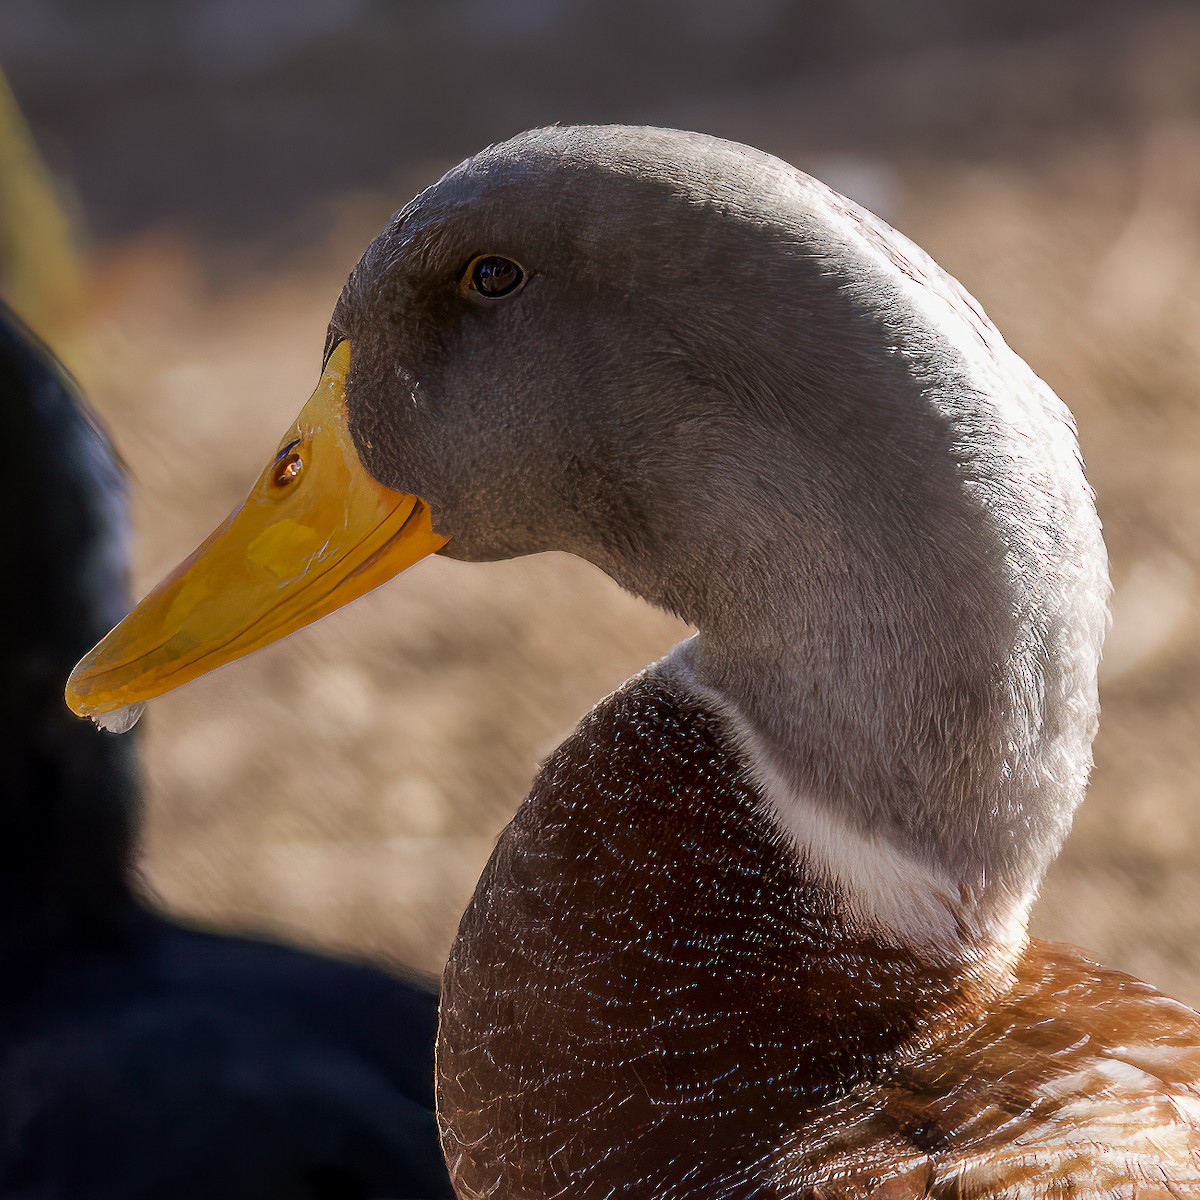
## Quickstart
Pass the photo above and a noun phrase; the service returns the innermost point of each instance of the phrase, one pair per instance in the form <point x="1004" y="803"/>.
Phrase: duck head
<point x="749" y="402"/>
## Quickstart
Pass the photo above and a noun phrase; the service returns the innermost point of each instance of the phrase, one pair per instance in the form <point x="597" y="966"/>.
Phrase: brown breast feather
<point x="647" y="998"/>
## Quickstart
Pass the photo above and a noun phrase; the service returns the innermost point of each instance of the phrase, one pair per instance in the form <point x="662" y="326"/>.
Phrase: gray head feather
<point x="756" y="405"/>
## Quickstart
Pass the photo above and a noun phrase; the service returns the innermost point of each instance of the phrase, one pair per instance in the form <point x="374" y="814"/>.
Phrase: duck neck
<point x="850" y="776"/>
<point x="912" y="679"/>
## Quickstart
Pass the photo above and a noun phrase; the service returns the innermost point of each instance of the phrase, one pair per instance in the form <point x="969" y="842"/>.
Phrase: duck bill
<point x="316" y="532"/>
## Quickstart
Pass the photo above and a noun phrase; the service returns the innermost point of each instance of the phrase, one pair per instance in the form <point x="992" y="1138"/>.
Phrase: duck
<point x="759" y="928"/>
<point x="141" y="1056"/>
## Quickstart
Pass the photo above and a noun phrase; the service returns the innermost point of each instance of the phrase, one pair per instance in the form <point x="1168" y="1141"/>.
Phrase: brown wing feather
<point x="1082" y="1083"/>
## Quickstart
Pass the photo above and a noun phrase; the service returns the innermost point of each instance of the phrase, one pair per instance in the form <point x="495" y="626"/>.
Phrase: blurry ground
<point x="345" y="788"/>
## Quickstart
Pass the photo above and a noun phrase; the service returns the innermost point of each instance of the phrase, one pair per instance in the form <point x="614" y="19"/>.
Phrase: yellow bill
<point x="316" y="532"/>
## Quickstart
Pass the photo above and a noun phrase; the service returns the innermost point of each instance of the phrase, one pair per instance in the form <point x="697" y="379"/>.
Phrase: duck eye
<point x="493" y="276"/>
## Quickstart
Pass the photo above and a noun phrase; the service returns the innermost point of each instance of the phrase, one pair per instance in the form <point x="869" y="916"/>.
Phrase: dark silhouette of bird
<point x="140" y="1058"/>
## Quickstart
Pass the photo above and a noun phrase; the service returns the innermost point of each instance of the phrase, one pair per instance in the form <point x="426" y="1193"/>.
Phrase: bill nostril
<point x="287" y="469"/>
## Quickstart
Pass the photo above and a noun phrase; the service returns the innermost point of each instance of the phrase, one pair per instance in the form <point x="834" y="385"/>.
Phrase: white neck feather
<point x="886" y="891"/>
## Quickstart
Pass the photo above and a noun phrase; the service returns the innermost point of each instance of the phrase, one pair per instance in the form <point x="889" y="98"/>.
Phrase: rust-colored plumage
<point x="642" y="958"/>
<point x="1080" y="1082"/>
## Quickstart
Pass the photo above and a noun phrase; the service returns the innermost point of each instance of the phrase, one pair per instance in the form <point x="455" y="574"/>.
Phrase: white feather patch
<point x="886" y="890"/>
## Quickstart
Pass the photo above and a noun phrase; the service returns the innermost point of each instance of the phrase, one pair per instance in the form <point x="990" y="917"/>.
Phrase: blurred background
<point x="207" y="172"/>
